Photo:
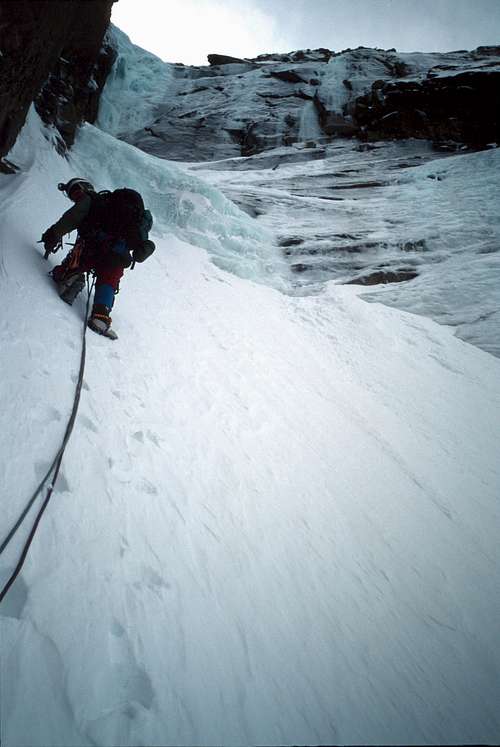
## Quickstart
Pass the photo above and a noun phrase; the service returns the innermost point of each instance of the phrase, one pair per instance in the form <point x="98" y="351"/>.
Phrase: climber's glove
<point x="50" y="241"/>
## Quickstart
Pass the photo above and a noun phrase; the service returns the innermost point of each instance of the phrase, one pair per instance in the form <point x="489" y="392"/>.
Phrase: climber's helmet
<point x="76" y="188"/>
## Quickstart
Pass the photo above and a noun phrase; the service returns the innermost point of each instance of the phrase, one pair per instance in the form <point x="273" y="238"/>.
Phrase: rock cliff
<point x="54" y="53"/>
<point x="239" y="107"/>
<point x="457" y="101"/>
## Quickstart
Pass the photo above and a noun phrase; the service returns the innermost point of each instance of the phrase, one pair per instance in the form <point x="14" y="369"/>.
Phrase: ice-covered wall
<point x="138" y="83"/>
<point x="182" y="204"/>
<point x="235" y="107"/>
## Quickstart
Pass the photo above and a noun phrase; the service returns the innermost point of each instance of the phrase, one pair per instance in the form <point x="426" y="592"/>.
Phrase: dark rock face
<point x="384" y="276"/>
<point x="71" y="93"/>
<point x="52" y="53"/>
<point x="464" y="108"/>
<point x="224" y="59"/>
<point x="290" y="76"/>
<point x="333" y="123"/>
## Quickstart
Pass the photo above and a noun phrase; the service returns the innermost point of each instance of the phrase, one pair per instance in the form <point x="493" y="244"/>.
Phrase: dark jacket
<point x="72" y="218"/>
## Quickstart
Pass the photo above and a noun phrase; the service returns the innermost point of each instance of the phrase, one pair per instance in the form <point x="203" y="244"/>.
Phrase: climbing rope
<point x="54" y="467"/>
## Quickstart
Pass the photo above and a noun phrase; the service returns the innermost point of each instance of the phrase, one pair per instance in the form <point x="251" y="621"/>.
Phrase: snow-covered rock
<point x="241" y="107"/>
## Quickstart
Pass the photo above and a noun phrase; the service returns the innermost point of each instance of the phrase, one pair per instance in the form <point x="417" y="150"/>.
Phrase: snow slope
<point x="277" y="519"/>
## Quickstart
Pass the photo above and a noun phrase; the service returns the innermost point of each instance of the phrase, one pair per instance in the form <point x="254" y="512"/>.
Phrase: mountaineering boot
<point x="70" y="287"/>
<point x="100" y="321"/>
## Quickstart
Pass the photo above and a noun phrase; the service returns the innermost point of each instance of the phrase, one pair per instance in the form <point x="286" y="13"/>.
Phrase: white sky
<point x="187" y="30"/>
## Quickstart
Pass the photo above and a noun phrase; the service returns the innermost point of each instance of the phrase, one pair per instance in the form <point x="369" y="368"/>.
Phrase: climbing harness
<point x="54" y="467"/>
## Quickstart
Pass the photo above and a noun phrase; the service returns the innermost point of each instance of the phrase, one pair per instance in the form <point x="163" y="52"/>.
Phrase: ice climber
<point x="113" y="232"/>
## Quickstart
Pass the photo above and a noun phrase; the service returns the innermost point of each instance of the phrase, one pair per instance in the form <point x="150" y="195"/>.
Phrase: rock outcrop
<point x="53" y="53"/>
<point x="224" y="59"/>
<point x="463" y="108"/>
<point x="241" y="107"/>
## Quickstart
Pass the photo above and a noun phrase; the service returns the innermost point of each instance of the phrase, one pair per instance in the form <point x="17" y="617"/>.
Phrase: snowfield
<point x="277" y="519"/>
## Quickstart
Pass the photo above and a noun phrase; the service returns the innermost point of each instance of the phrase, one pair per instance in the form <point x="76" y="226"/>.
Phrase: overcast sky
<point x="187" y="30"/>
